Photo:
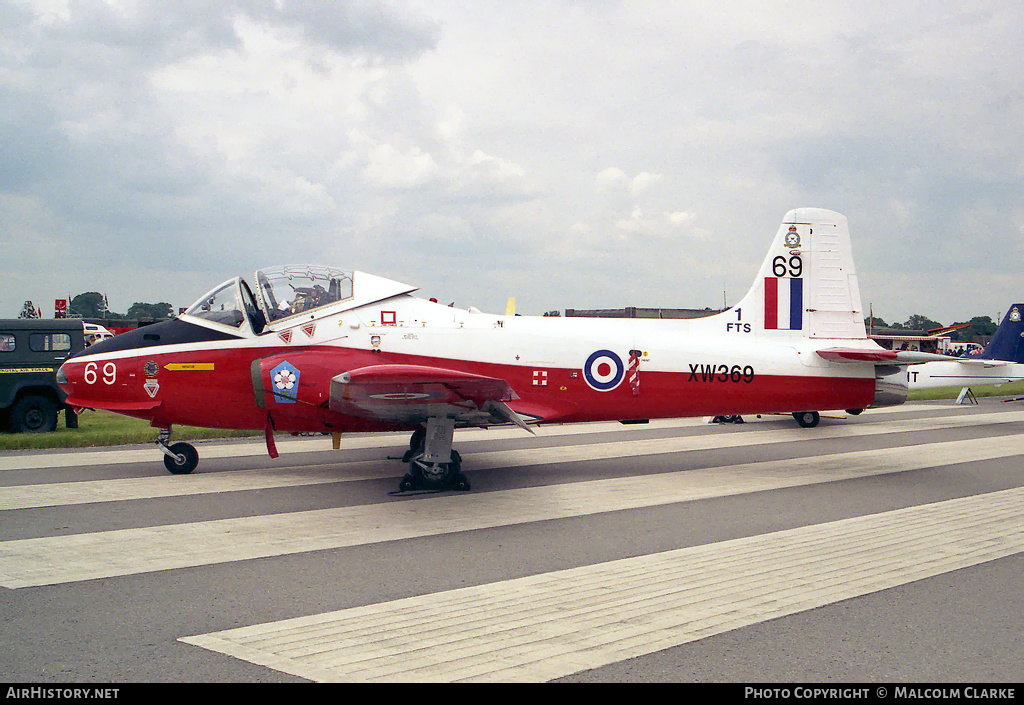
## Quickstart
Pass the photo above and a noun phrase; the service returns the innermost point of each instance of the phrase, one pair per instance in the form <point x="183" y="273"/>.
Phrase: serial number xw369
<point x="721" y="373"/>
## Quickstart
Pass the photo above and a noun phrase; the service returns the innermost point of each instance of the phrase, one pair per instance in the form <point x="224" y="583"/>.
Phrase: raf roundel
<point x="603" y="370"/>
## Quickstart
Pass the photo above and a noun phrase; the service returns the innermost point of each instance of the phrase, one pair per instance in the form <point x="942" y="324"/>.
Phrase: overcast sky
<point x="569" y="154"/>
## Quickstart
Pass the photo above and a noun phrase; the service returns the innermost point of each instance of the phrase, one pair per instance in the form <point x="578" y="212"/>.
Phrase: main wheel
<point x="438" y="475"/>
<point x="807" y="419"/>
<point x="34" y="414"/>
<point x="415" y="444"/>
<point x="417" y="439"/>
<point x="185" y="458"/>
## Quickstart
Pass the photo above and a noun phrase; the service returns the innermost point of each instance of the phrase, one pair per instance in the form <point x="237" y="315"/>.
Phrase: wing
<point x="413" y="393"/>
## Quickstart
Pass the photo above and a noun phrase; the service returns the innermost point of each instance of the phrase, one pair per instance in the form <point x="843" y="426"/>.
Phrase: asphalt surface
<point x="882" y="548"/>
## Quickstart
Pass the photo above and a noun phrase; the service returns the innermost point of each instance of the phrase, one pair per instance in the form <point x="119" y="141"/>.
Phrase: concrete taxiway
<point x="881" y="547"/>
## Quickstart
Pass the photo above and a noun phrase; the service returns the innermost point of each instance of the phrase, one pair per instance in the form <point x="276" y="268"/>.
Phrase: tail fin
<point x="807" y="286"/>
<point x="1008" y="341"/>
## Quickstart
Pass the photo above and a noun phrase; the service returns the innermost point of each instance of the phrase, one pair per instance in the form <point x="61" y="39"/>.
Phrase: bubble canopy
<point x="281" y="292"/>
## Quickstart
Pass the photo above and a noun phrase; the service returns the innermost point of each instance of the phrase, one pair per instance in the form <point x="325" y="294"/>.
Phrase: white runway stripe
<point x="61" y="559"/>
<point x="547" y="626"/>
<point x="286" y="446"/>
<point x="165" y="485"/>
<point x="214" y="449"/>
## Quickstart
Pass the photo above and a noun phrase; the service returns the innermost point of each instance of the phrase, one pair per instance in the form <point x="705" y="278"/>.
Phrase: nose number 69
<point x="92" y="371"/>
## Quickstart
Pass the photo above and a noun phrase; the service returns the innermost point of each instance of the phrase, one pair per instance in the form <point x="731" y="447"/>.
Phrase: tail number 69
<point x="92" y="373"/>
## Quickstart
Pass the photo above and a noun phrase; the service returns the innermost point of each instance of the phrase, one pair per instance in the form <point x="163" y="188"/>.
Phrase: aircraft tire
<point x="854" y="412"/>
<point x="416" y="443"/>
<point x="185" y="459"/>
<point x="435" y="476"/>
<point x="34" y="414"/>
<point x="419" y="436"/>
<point x="807" y="419"/>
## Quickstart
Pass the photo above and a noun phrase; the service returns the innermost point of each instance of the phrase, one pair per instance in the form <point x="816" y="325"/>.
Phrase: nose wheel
<point x="179" y="458"/>
<point x="182" y="459"/>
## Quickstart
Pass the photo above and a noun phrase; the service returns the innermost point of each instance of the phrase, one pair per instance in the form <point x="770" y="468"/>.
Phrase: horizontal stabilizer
<point x="857" y="355"/>
<point x="881" y="356"/>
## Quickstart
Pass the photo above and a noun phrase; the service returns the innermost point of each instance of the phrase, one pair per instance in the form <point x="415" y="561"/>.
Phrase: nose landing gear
<point x="179" y="458"/>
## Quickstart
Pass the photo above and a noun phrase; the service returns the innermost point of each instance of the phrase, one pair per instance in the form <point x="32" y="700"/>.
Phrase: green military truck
<point x="31" y="350"/>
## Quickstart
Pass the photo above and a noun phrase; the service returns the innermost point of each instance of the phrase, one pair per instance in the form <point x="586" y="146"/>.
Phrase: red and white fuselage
<point x="360" y="353"/>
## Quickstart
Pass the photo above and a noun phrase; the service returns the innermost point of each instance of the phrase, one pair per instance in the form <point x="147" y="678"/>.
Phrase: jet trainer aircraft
<point x="318" y="349"/>
<point x="1000" y="362"/>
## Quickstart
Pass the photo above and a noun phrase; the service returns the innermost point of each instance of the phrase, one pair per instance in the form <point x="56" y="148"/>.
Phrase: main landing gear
<point x="433" y="463"/>
<point x="810" y="419"/>
<point x="180" y="458"/>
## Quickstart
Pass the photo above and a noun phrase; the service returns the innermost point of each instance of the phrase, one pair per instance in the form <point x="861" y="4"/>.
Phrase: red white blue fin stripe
<point x="783" y="303"/>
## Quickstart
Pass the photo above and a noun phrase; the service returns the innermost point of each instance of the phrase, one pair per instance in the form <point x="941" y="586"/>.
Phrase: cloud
<point x="582" y="155"/>
<point x="390" y="168"/>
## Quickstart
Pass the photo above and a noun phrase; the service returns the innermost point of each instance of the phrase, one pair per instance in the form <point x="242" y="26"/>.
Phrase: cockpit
<point x="289" y="290"/>
<point x="281" y="292"/>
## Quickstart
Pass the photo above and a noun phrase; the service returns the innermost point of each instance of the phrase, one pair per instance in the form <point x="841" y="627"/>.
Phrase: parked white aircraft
<point x="1001" y="362"/>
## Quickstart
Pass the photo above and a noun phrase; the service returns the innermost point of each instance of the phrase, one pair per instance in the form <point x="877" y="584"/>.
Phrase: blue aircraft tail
<point x="1008" y="342"/>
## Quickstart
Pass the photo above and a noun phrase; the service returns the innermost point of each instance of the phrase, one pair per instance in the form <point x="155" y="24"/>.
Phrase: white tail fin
<point x="807" y="286"/>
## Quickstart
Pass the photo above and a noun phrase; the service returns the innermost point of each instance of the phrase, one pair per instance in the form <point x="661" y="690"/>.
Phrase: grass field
<point x="1014" y="389"/>
<point x="102" y="428"/>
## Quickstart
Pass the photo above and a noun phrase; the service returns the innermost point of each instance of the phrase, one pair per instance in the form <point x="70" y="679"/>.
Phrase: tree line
<point x="977" y="326"/>
<point x="93" y="304"/>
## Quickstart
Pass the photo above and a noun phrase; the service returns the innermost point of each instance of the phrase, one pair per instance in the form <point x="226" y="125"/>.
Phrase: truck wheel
<point x="34" y="414"/>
